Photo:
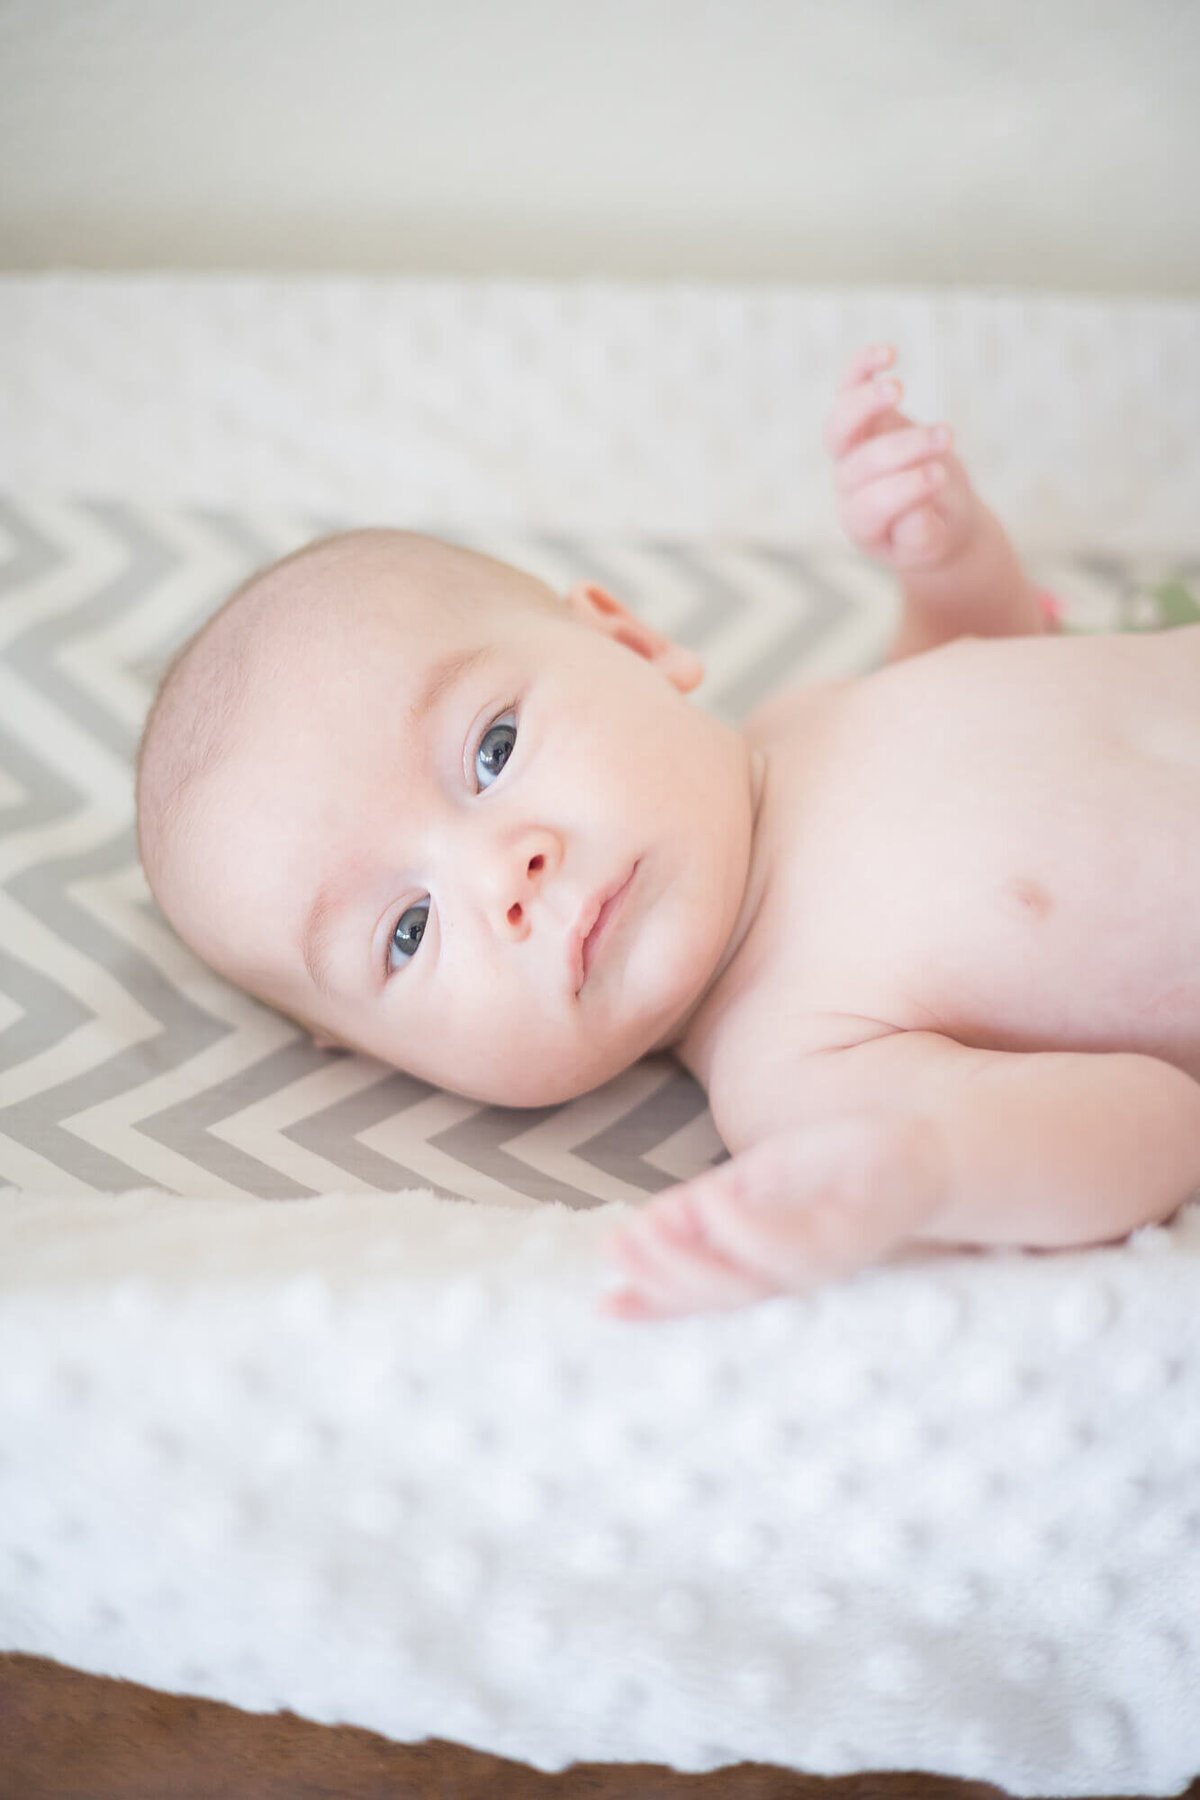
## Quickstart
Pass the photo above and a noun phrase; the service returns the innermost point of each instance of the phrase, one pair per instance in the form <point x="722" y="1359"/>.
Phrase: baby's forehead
<point x="406" y="638"/>
<point x="411" y="599"/>
<point x="329" y="629"/>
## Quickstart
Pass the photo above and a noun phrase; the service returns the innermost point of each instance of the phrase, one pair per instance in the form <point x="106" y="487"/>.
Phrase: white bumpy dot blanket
<point x="377" y="1459"/>
<point x="372" y="1456"/>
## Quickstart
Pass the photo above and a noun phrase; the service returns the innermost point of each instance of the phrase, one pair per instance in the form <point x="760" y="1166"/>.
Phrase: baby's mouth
<point x="610" y="905"/>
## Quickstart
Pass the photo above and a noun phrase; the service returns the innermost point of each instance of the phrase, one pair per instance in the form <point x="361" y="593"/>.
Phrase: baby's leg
<point x="906" y="499"/>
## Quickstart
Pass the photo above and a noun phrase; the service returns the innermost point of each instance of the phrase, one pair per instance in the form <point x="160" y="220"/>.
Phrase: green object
<point x="1176" y="604"/>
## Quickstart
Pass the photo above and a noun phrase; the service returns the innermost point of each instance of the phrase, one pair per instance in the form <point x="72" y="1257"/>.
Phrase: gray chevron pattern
<point x="123" y="1062"/>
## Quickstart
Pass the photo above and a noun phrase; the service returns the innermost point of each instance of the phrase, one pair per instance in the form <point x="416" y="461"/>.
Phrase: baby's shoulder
<point x="800" y="707"/>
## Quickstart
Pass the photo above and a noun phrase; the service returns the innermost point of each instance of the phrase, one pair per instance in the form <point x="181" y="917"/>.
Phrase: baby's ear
<point x="596" y="607"/>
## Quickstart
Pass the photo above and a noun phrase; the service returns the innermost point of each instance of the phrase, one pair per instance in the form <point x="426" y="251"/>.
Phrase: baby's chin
<point x="520" y="1078"/>
<point x="532" y="1084"/>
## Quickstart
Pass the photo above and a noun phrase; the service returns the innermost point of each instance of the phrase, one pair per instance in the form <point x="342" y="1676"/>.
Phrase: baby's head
<point x="389" y="785"/>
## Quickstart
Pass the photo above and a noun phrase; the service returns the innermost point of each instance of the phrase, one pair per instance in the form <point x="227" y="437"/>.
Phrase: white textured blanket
<point x="371" y="1455"/>
<point x="376" y="1459"/>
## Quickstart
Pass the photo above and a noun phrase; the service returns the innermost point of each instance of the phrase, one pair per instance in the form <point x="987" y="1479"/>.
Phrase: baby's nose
<point x="526" y="875"/>
<point x="516" y="912"/>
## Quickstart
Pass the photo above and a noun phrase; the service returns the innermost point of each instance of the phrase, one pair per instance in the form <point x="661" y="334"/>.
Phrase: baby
<point x="930" y="937"/>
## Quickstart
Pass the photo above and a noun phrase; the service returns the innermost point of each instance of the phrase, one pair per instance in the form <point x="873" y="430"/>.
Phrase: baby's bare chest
<point x="1000" y="842"/>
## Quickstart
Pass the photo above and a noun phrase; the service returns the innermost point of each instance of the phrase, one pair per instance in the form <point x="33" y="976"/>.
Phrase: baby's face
<point x="422" y="813"/>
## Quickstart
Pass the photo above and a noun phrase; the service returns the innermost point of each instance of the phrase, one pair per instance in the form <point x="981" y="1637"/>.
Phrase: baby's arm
<point x="916" y="1137"/>
<point x="905" y="498"/>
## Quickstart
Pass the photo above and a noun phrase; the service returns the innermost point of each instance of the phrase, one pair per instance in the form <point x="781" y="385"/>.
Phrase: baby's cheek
<point x="672" y="956"/>
<point x="512" y="1059"/>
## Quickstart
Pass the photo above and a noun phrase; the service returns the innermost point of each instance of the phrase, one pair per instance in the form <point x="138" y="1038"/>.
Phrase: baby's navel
<point x="1031" y="896"/>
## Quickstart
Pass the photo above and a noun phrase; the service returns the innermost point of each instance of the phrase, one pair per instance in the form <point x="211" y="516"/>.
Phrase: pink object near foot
<point x="1051" y="607"/>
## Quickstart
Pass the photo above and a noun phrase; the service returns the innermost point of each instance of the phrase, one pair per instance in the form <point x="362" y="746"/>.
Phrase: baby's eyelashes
<point x="406" y="938"/>
<point x="495" y="747"/>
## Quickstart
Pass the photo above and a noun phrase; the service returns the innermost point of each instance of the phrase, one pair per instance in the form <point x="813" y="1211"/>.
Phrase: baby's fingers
<point x="871" y="511"/>
<point x="890" y="451"/>
<point x="917" y="538"/>
<point x="856" y="410"/>
<point x="814" y="1205"/>
<point x="671" y="1269"/>
<point x="866" y="363"/>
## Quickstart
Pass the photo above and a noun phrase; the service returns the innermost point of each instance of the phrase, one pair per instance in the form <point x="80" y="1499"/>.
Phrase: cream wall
<point x="1052" y="144"/>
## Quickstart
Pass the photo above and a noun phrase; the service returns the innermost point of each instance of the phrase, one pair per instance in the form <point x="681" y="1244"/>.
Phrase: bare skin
<point x="974" y="952"/>
<point x="928" y="938"/>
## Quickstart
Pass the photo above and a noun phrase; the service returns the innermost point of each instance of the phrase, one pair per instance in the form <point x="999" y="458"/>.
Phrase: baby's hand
<point x="903" y="496"/>
<point x="801" y="1208"/>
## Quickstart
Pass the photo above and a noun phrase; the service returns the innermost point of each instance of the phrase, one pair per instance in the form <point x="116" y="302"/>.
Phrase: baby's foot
<point x="903" y="495"/>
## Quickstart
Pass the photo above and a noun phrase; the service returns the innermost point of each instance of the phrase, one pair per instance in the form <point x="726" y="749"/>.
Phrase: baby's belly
<point x="1028" y="880"/>
<point x="1033" y="959"/>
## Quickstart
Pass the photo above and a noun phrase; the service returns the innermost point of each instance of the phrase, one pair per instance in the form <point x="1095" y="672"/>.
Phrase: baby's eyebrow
<point x="442" y="675"/>
<point x="316" y="937"/>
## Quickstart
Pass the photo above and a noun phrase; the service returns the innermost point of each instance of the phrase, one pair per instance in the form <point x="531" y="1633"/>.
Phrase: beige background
<point x="1048" y="143"/>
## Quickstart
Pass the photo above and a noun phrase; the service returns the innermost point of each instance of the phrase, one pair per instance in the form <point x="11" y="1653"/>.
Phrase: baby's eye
<point x="495" y="748"/>
<point x="410" y="929"/>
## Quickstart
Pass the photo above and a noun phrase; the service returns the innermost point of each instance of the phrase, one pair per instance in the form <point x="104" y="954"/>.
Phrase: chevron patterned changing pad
<point x="944" y="1518"/>
<point x="124" y="1063"/>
